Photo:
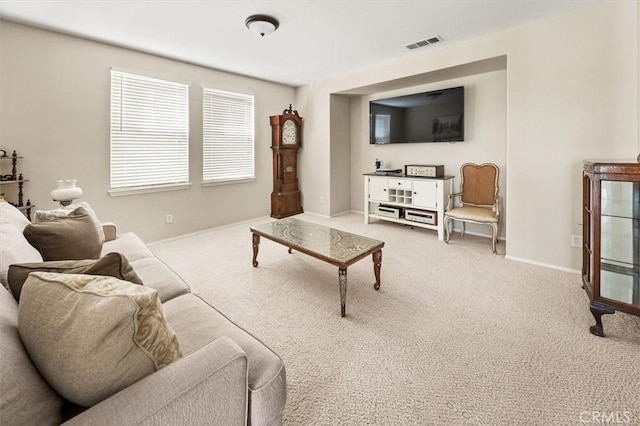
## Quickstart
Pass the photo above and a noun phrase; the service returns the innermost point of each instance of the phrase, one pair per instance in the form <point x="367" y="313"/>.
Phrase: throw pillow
<point x="14" y="248"/>
<point x="70" y="237"/>
<point x="111" y="264"/>
<point x="92" y="336"/>
<point x="49" y="215"/>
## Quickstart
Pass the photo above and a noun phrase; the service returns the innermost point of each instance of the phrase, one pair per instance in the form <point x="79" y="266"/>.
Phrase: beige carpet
<point x="456" y="335"/>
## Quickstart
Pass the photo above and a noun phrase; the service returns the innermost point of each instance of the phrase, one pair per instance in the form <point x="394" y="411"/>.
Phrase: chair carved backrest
<point x="479" y="185"/>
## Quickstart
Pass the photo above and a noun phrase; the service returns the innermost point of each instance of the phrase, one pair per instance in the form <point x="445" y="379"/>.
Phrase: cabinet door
<point x="378" y="189"/>
<point x="620" y="241"/>
<point x="425" y="194"/>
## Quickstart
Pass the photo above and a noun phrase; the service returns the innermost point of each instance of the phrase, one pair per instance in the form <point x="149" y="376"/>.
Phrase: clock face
<point x="289" y="133"/>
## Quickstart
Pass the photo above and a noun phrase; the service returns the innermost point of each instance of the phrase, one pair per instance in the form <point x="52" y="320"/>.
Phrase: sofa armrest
<point x="208" y="386"/>
<point x="109" y="231"/>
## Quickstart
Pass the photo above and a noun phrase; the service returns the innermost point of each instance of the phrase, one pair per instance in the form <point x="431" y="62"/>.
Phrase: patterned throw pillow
<point x="69" y="237"/>
<point x="92" y="336"/>
<point x="111" y="264"/>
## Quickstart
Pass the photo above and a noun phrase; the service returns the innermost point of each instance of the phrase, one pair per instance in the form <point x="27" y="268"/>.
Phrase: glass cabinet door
<point x="620" y="241"/>
<point x="587" y="234"/>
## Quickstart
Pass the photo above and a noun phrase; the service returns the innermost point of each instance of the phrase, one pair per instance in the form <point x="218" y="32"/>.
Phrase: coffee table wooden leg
<point x="377" y="263"/>
<point x="256" y="243"/>
<point x="342" y="278"/>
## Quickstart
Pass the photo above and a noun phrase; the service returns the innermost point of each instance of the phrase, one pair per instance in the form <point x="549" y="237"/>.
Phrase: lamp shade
<point x="66" y="191"/>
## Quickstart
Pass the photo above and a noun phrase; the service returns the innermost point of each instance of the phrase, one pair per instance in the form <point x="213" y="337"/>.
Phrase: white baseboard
<point x="545" y="265"/>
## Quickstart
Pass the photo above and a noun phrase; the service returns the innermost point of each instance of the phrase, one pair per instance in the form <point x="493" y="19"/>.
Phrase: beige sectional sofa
<point x="225" y="376"/>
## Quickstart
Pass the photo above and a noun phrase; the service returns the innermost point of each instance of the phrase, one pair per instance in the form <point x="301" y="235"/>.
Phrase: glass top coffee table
<point x="333" y="246"/>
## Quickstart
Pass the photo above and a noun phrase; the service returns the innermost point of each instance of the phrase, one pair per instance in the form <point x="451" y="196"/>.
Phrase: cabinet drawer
<point x="399" y="184"/>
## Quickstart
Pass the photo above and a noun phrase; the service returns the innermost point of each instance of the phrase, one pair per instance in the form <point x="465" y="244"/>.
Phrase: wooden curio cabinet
<point x="611" y="236"/>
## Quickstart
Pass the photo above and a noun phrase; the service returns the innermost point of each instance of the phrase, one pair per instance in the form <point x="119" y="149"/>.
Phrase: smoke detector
<point x="423" y="43"/>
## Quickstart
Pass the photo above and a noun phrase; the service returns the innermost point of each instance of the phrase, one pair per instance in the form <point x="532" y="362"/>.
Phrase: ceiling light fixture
<point x="262" y="24"/>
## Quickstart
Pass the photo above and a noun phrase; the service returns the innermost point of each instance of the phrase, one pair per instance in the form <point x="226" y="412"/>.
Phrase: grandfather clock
<point x="286" y="138"/>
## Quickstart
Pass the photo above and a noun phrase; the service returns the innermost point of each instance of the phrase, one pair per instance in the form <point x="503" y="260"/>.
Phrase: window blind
<point x="228" y="136"/>
<point x="149" y="132"/>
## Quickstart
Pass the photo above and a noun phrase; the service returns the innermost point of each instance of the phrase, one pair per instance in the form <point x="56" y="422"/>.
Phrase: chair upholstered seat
<point x="479" y="214"/>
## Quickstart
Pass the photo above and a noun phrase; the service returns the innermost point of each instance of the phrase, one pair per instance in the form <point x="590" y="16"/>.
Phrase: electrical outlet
<point x="168" y="218"/>
<point x="576" y="241"/>
<point x="321" y="200"/>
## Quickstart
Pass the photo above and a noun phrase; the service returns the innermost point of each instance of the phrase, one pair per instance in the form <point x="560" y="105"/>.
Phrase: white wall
<point x="314" y="164"/>
<point x="55" y="112"/>
<point x="340" y="153"/>
<point x="571" y="94"/>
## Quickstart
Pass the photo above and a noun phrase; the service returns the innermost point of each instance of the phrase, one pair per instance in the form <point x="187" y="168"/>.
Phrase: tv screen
<point x="436" y="116"/>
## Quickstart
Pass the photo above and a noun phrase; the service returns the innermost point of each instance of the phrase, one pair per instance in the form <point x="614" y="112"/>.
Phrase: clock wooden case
<point x="286" y="139"/>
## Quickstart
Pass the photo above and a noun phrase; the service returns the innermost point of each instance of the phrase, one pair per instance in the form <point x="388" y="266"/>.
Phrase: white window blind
<point x="149" y="132"/>
<point x="227" y="148"/>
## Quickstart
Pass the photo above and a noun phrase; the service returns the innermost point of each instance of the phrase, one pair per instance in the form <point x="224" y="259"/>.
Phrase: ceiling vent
<point x="423" y="43"/>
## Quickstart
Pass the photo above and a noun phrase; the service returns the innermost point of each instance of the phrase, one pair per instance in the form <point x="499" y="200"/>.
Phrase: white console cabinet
<point x="417" y="196"/>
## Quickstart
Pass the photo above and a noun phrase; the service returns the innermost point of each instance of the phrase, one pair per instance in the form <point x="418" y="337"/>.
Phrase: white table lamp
<point x="66" y="191"/>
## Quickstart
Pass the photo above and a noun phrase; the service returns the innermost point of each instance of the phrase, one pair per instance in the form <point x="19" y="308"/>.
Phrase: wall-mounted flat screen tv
<point x="436" y="116"/>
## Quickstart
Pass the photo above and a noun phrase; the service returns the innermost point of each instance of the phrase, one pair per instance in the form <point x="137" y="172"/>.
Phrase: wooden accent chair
<point x="478" y="199"/>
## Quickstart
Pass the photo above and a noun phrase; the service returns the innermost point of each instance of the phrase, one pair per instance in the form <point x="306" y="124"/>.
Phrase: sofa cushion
<point x="26" y="399"/>
<point x="14" y="248"/>
<point x="91" y="336"/>
<point x="197" y="323"/>
<point x="128" y="244"/>
<point x="66" y="238"/>
<point x="155" y="274"/>
<point x="111" y="264"/>
<point x="49" y="215"/>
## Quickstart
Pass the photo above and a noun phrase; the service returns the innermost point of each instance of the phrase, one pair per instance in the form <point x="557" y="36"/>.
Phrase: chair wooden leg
<point x="446" y="229"/>
<point x="462" y="228"/>
<point x="494" y="240"/>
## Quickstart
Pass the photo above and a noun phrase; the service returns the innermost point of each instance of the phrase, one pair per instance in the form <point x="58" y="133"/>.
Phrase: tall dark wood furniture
<point x="611" y="236"/>
<point x="16" y="179"/>
<point x="286" y="139"/>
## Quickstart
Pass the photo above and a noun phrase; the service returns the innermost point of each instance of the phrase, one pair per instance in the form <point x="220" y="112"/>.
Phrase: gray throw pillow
<point x="48" y="215"/>
<point x="71" y="237"/>
<point x="112" y="264"/>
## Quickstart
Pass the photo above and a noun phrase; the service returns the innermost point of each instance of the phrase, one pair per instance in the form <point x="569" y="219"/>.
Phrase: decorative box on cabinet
<point x="15" y="179"/>
<point x="611" y="236"/>
<point x="426" y="198"/>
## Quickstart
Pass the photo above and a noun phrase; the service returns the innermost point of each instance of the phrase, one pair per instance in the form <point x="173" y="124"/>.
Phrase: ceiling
<point x="316" y="38"/>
